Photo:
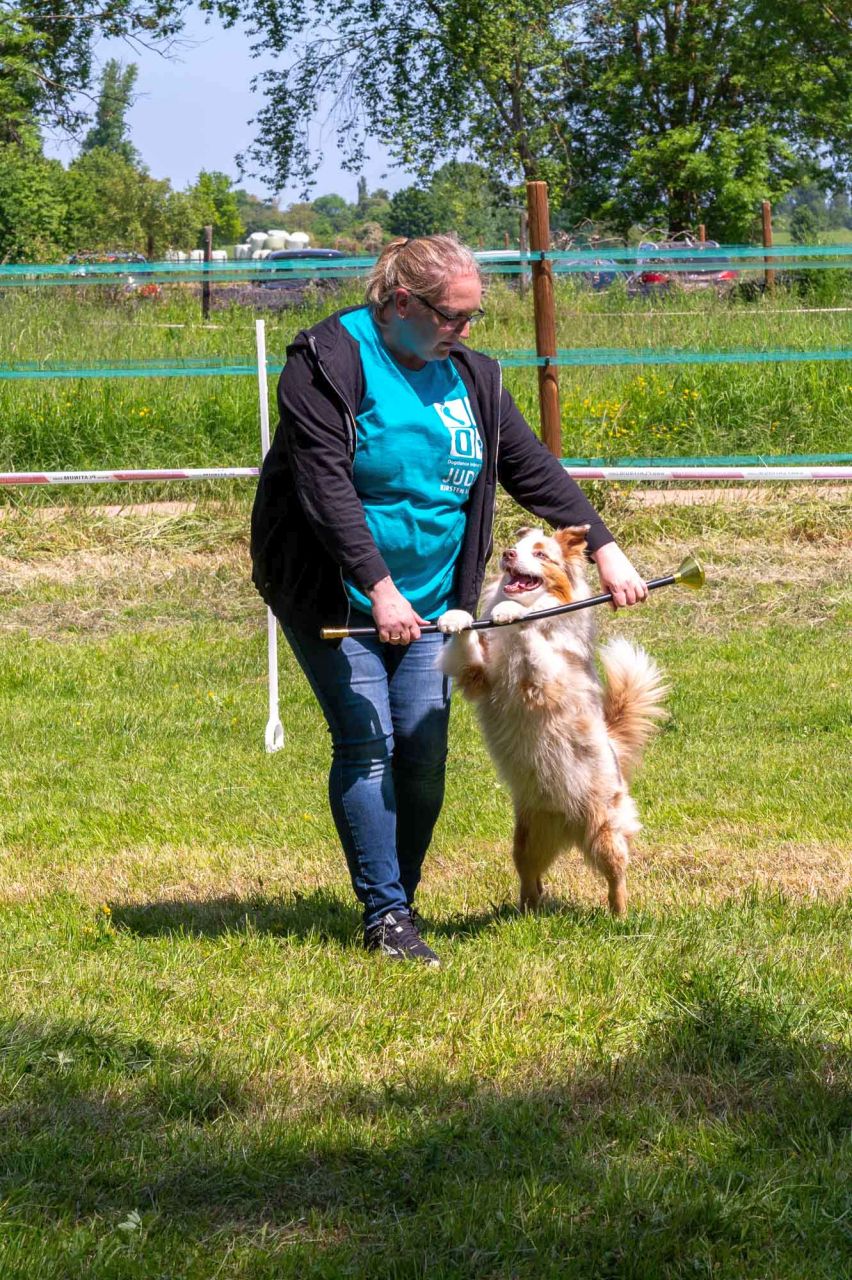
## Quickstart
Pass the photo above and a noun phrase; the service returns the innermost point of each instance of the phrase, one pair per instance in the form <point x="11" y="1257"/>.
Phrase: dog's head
<point x="541" y="564"/>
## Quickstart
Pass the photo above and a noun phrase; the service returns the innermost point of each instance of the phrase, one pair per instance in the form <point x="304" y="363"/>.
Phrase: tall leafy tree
<point x="471" y="203"/>
<point x="680" y="109"/>
<point x="339" y="213"/>
<point x="47" y="54"/>
<point x="32" y="203"/>
<point x="429" y="78"/>
<point x="110" y="127"/>
<point x="111" y="204"/>
<point x="215" y="197"/>
<point x="695" y="109"/>
<point x="414" y="212"/>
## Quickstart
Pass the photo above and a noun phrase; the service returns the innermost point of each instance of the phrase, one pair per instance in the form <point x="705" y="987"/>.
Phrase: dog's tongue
<point x="521" y="584"/>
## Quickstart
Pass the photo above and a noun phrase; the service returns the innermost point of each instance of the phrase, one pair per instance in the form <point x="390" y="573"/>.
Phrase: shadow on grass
<point x="320" y="914"/>
<point x="718" y="1149"/>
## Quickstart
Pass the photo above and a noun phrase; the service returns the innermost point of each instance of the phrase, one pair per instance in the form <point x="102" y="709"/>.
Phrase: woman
<point x="375" y="507"/>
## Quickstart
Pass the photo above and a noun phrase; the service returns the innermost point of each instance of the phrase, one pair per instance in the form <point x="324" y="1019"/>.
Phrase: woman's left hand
<point x="618" y="576"/>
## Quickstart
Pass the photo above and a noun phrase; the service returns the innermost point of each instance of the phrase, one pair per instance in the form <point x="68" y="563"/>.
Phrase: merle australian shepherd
<point x="565" y="742"/>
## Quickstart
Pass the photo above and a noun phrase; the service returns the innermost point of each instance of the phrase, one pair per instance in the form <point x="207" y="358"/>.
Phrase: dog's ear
<point x="571" y="540"/>
<point x="523" y="531"/>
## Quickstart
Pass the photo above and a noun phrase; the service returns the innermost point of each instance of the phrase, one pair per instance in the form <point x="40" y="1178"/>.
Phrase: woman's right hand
<point x="394" y="617"/>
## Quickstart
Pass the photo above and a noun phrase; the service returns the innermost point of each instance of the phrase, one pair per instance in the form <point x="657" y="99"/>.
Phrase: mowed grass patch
<point x="201" y="1073"/>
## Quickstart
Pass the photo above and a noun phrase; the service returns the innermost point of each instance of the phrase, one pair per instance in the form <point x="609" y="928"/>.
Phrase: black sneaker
<point x="396" y="936"/>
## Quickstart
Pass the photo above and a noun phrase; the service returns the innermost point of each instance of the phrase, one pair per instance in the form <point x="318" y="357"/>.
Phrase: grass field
<point x="613" y="412"/>
<point x="201" y="1073"/>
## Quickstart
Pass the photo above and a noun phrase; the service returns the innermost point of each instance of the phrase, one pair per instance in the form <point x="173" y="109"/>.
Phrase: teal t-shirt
<point x="417" y="456"/>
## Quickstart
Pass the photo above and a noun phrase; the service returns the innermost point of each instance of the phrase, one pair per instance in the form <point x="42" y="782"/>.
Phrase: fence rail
<point x="245" y="366"/>
<point x="496" y="262"/>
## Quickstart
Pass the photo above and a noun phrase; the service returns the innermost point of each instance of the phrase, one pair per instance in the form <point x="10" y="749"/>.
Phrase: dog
<point x="565" y="743"/>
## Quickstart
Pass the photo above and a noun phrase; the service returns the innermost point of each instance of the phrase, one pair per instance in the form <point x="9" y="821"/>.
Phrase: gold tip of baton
<point x="334" y="633"/>
<point x="690" y="573"/>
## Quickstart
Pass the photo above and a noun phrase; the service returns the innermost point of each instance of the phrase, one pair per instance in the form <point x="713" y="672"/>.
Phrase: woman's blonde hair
<point x="424" y="264"/>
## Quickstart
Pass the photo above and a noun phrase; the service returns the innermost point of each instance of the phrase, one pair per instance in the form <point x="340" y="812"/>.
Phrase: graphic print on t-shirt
<point x="465" y="460"/>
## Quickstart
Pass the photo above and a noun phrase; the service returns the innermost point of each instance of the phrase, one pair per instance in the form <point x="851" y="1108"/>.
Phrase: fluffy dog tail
<point x="633" y="696"/>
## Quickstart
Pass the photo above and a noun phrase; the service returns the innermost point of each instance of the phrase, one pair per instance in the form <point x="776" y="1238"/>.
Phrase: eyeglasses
<point x="453" y="319"/>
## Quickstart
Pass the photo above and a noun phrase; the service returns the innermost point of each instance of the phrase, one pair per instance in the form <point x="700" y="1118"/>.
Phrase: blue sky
<point x="193" y="112"/>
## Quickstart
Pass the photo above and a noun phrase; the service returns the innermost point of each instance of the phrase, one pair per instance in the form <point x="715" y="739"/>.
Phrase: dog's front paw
<point x="507" y="611"/>
<point x="454" y="621"/>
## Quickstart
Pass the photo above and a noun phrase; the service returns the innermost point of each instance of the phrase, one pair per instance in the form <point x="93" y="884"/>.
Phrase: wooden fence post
<point x="208" y="258"/>
<point x="545" y="317"/>
<point x="768" y="276"/>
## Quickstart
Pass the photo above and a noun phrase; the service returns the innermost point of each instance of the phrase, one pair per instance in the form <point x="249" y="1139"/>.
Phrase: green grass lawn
<point x="202" y="1074"/>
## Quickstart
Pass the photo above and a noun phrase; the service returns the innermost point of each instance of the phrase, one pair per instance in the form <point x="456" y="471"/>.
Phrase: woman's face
<point x="427" y="330"/>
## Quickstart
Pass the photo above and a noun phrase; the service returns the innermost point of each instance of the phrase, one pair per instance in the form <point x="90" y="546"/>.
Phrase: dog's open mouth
<point x="519" y="583"/>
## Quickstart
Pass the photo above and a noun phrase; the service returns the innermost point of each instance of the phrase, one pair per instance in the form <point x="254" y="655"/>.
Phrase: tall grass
<point x="607" y="411"/>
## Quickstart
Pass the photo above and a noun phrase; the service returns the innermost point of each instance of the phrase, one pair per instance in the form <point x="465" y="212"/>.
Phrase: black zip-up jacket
<point x="308" y="529"/>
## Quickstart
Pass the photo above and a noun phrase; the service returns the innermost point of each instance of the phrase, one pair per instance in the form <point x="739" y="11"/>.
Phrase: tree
<point x="217" y="204"/>
<point x="102" y="203"/>
<point x="413" y="212"/>
<point x="336" y="211"/>
<point x="804" y="225"/>
<point x="256" y="214"/>
<point x="428" y="78"/>
<point x="373" y="206"/>
<point x="32" y="203"/>
<point x="301" y="216"/>
<point x="569" y="91"/>
<point x="110" y="204"/>
<point x="104" y="200"/>
<point x="471" y="204"/>
<point x="47" y="51"/>
<point x="839" y="209"/>
<point x="110" y="128"/>
<point x="370" y="237"/>
<point x="169" y="219"/>
<point x="696" y="108"/>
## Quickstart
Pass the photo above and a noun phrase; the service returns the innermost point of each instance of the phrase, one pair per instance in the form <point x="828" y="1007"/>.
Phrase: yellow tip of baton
<point x="690" y="573"/>
<point x="334" y="633"/>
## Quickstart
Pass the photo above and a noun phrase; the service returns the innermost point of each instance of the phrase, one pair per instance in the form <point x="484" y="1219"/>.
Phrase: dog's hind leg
<point x="608" y="850"/>
<point x="537" y="840"/>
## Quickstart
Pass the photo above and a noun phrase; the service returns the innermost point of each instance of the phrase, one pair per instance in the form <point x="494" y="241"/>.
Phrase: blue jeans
<point x="387" y="708"/>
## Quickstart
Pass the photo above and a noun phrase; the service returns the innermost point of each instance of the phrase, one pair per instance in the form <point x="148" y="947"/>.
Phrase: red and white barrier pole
<point x="789" y="473"/>
<point x="710" y="473"/>
<point x="274" y="736"/>
<point x="112" y="477"/>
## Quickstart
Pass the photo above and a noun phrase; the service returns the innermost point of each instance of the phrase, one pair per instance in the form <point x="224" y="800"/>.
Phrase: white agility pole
<point x="274" y="737"/>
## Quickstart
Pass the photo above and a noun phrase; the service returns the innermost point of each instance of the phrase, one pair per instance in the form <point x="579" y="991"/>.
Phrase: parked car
<point x="656" y="276"/>
<point x="129" y="281"/>
<point x="597" y="273"/>
<point x="295" y="280"/>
